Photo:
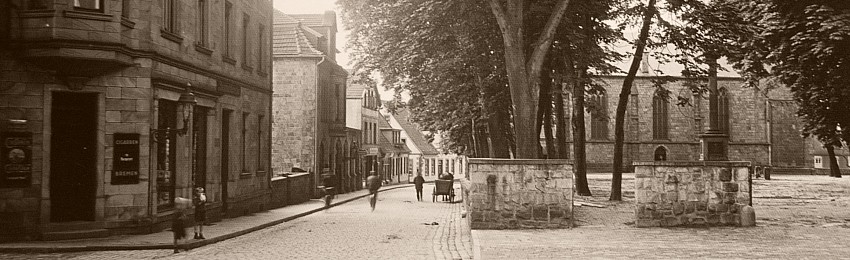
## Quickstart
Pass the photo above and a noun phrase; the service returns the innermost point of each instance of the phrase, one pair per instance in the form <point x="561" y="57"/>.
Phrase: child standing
<point x="199" y="199"/>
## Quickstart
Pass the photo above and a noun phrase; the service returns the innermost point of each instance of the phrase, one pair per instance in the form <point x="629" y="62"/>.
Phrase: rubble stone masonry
<point x="508" y="194"/>
<point x="695" y="193"/>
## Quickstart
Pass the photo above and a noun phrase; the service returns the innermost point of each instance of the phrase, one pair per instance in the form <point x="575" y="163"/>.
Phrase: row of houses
<point x="111" y="109"/>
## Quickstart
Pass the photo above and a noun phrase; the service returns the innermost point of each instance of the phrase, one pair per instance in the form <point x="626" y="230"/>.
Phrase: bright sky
<point x="318" y="7"/>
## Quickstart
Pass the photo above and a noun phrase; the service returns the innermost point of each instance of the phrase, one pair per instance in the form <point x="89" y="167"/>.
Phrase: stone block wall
<point x="289" y="190"/>
<point x="508" y="194"/>
<point x="693" y="193"/>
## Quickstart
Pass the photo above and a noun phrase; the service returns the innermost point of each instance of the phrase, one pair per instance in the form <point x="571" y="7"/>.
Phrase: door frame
<point x="47" y="112"/>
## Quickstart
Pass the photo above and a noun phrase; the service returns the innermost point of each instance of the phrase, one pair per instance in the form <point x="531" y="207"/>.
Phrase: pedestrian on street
<point x="199" y="200"/>
<point x="374" y="183"/>
<point x="178" y="220"/>
<point x="418" y="181"/>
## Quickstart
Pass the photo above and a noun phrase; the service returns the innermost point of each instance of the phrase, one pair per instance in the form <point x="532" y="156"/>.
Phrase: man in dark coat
<point x="417" y="182"/>
<point x="374" y="183"/>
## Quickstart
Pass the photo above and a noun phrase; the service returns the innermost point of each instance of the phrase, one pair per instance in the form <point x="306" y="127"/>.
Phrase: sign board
<point x="16" y="160"/>
<point x="373" y="151"/>
<point x="125" y="159"/>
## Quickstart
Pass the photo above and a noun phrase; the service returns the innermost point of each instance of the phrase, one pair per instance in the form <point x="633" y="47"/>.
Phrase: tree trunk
<point x="497" y="125"/>
<point x="561" y="123"/>
<point x="579" y="134"/>
<point x="622" y="104"/>
<point x="834" y="171"/>
<point x="524" y="70"/>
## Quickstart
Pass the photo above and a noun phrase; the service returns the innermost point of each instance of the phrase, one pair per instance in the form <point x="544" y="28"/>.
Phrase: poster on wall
<point x="125" y="159"/>
<point x="15" y="159"/>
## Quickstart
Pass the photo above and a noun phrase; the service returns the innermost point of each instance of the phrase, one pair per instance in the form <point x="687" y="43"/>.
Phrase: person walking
<point x="417" y="182"/>
<point x="178" y="221"/>
<point x="374" y="183"/>
<point x="199" y="200"/>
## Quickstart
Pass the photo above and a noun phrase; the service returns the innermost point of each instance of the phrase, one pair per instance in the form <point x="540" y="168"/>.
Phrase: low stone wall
<point x="508" y="194"/>
<point x="690" y="193"/>
<point x="290" y="189"/>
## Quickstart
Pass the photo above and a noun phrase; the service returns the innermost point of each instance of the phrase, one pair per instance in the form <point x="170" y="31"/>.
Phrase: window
<point x="244" y="142"/>
<point x="227" y="34"/>
<point x="659" y="118"/>
<point x="723" y="111"/>
<point x="259" y="142"/>
<point x="599" y="119"/>
<point x="261" y="38"/>
<point x="169" y="11"/>
<point x="125" y="9"/>
<point x="660" y="154"/>
<point x="848" y="160"/>
<point x="818" y="162"/>
<point x="245" y="20"/>
<point x="166" y="154"/>
<point x="202" y="23"/>
<point x="96" y="5"/>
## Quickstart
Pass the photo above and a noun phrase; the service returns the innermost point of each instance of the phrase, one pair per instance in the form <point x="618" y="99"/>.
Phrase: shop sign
<point x="125" y="159"/>
<point x="16" y="160"/>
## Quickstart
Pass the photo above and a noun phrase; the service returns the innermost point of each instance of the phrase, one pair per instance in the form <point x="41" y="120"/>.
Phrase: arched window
<point x="660" y="154"/>
<point x="659" y="118"/>
<point x="723" y="111"/>
<point x="599" y="120"/>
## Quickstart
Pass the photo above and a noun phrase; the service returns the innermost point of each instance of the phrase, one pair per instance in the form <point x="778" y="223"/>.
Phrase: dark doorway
<point x="660" y="154"/>
<point x="225" y="156"/>
<point x="73" y="156"/>
<point x="199" y="153"/>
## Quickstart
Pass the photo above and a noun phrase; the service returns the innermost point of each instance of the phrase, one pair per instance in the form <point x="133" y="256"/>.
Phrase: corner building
<point x="89" y="99"/>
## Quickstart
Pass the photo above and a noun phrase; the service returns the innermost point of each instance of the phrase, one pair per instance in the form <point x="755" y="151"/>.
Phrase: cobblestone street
<point x="400" y="228"/>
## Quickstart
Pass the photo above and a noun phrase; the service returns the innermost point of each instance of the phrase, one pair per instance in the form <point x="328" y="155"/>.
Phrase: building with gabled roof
<point x="309" y="111"/>
<point x="423" y="155"/>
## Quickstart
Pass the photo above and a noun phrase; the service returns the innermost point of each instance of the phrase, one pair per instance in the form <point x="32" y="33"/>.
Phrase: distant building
<point x="90" y="97"/>
<point x="422" y="153"/>
<point x="362" y="114"/>
<point x="309" y="129"/>
<point x="394" y="155"/>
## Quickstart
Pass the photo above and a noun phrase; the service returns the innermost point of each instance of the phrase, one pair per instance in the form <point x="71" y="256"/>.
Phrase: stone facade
<point x="748" y="133"/>
<point x="505" y="194"/>
<point x="671" y="194"/>
<point x="128" y="69"/>
<point x="309" y="106"/>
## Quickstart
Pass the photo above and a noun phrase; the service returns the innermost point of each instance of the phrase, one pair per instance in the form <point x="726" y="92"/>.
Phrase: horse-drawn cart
<point x="445" y="188"/>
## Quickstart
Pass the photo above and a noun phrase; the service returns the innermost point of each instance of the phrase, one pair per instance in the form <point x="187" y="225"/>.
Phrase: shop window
<point x="166" y="150"/>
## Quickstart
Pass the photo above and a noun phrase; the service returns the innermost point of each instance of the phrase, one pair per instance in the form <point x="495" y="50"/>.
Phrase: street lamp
<point x="187" y="102"/>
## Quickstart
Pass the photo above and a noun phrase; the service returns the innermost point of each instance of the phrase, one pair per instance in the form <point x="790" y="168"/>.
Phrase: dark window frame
<point x="660" y="118"/>
<point x="599" y="120"/>
<point x="99" y="6"/>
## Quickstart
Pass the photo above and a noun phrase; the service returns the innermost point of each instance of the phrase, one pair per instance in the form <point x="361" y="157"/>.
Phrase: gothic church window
<point x="723" y="111"/>
<point x="660" y="118"/>
<point x="599" y="119"/>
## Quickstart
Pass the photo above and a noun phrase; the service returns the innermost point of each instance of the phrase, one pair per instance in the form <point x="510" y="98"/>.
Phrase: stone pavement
<point x="219" y="231"/>
<point x="400" y="228"/>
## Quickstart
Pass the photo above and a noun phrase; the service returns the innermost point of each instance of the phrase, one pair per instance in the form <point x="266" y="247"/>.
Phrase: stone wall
<point x="507" y="194"/>
<point x="690" y="193"/>
<point x="290" y="190"/>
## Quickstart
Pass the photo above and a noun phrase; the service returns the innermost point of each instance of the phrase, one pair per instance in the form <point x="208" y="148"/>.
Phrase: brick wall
<point x="506" y="193"/>
<point x="690" y="193"/>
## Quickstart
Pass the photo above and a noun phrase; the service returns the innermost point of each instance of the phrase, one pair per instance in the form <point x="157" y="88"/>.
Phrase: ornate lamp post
<point x="714" y="142"/>
<point x="186" y="104"/>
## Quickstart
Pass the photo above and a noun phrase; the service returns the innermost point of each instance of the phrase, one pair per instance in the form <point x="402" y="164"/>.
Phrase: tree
<point x="834" y="171"/>
<point x="804" y="45"/>
<point x="523" y="63"/>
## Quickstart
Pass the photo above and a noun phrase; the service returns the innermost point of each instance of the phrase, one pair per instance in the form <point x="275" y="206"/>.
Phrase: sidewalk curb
<point x="190" y="245"/>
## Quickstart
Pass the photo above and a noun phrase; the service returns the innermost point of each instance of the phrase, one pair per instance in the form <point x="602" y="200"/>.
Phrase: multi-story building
<point x="309" y="101"/>
<point x="362" y="114"/>
<point x="394" y="152"/>
<point x="112" y="109"/>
